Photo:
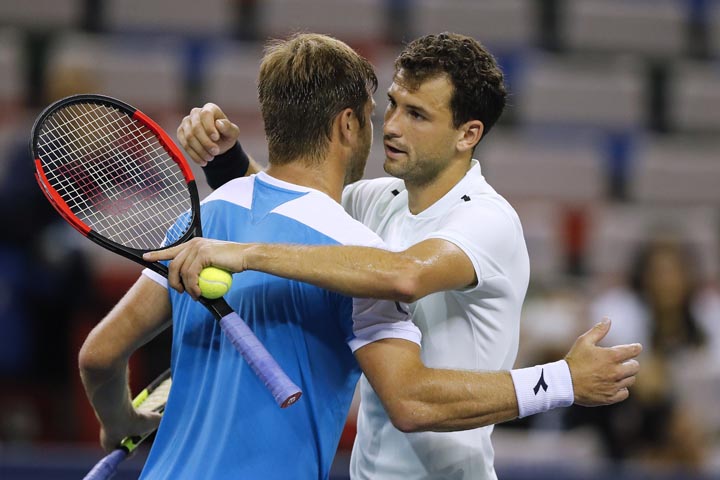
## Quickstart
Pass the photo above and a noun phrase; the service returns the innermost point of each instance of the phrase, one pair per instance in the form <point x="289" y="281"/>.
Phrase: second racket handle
<point x="106" y="468"/>
<point x="283" y="390"/>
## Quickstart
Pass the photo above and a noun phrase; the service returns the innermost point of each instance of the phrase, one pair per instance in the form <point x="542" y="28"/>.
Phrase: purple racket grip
<point x="106" y="467"/>
<point x="263" y="364"/>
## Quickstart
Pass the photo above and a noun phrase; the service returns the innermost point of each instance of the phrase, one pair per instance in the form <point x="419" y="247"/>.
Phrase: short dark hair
<point x="478" y="88"/>
<point x="304" y="82"/>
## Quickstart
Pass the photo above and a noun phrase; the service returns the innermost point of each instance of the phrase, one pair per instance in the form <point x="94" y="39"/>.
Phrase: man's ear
<point x="347" y="125"/>
<point x="470" y="134"/>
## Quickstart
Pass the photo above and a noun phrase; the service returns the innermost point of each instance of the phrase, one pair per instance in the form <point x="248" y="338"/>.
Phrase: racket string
<point x="147" y="139"/>
<point x="157" y="398"/>
<point x="139" y="142"/>
<point x="116" y="175"/>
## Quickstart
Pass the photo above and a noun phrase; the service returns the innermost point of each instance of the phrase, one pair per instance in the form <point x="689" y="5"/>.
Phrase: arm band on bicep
<point x="226" y="166"/>
<point x="543" y="387"/>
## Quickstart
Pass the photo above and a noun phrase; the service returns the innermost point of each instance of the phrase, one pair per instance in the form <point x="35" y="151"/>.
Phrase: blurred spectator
<point x="659" y="307"/>
<point x="45" y="279"/>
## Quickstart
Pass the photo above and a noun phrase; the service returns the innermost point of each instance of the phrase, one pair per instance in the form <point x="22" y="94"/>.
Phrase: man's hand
<point x="138" y="423"/>
<point x="206" y="132"/>
<point x="601" y="376"/>
<point x="189" y="258"/>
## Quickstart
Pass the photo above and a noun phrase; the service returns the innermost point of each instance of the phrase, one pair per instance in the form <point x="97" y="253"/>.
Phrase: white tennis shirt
<point x="471" y="329"/>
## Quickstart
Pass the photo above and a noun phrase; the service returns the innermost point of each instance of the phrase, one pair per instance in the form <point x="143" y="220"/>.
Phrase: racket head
<point x="115" y="176"/>
<point x="152" y="398"/>
<point x="118" y="179"/>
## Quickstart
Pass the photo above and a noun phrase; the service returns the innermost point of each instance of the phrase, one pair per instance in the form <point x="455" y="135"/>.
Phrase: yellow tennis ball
<point x="214" y="282"/>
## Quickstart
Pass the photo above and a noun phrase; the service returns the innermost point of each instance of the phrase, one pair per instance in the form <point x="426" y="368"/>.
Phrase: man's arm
<point x="210" y="140"/>
<point x="140" y="315"/>
<point x="418" y="398"/>
<point x="226" y="167"/>
<point x="432" y="265"/>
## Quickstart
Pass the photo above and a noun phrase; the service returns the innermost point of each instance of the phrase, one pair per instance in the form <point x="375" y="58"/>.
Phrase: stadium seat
<point x="694" y="97"/>
<point x="496" y="23"/>
<point x="713" y="22"/>
<point x="41" y="14"/>
<point x="626" y="27"/>
<point x="683" y="170"/>
<point x="544" y="167"/>
<point x="604" y="92"/>
<point x="230" y="77"/>
<point x="146" y="74"/>
<point x="209" y="17"/>
<point x="361" y="21"/>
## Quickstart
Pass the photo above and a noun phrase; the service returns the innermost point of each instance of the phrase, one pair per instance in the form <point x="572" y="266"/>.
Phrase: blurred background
<point x="609" y="150"/>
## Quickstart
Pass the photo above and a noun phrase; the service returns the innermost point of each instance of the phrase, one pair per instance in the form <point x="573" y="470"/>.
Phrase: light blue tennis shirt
<point x="220" y="421"/>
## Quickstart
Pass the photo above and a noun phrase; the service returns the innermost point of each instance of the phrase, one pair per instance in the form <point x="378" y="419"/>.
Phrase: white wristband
<point x="543" y="387"/>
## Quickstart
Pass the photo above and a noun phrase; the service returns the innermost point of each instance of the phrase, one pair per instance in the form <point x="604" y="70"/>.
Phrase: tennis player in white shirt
<point x="459" y="258"/>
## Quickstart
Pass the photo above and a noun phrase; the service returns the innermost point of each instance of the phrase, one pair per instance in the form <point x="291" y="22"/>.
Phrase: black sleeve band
<point x="227" y="166"/>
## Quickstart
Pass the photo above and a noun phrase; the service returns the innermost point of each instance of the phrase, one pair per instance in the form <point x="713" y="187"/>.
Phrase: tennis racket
<point x="118" y="179"/>
<point x="152" y="399"/>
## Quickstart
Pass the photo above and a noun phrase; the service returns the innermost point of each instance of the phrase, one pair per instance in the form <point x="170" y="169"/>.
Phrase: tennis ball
<point x="214" y="282"/>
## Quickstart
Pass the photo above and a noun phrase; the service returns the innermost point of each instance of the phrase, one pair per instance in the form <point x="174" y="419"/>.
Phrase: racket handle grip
<point x="106" y="467"/>
<point x="263" y="364"/>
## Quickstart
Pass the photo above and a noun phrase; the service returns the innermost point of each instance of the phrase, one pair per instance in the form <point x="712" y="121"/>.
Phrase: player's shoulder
<point x="324" y="215"/>
<point x="368" y="200"/>
<point x="486" y="206"/>
<point x="238" y="191"/>
<point x="371" y="188"/>
<point x="311" y="208"/>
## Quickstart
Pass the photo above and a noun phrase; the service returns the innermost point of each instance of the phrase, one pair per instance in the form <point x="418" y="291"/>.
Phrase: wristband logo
<point x="541" y="383"/>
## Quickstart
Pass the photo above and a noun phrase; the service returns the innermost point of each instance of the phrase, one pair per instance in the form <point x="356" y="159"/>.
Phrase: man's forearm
<point x="354" y="271"/>
<point x="449" y="400"/>
<point x="419" y="398"/>
<point x="140" y="315"/>
<point x="108" y="393"/>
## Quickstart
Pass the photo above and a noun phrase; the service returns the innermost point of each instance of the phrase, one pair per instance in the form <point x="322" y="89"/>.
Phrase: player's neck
<point x="423" y="196"/>
<point x="313" y="175"/>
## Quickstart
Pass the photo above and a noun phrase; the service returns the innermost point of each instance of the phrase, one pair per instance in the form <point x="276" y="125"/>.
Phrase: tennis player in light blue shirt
<point x="221" y="421"/>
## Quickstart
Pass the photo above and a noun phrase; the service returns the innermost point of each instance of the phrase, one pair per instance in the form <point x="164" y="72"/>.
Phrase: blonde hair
<point x="304" y="82"/>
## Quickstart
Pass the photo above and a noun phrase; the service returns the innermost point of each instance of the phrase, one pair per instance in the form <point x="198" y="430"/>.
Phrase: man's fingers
<point x="150" y="421"/>
<point x="174" y="254"/>
<point x="626" y="383"/>
<point x="227" y="128"/>
<point x="189" y="142"/>
<point x="183" y="140"/>
<point x="200" y="129"/>
<point x="598" y="332"/>
<point x="191" y="275"/>
<point x="165" y="254"/>
<point x="626" y="352"/>
<point x="629" y="368"/>
<point x="620" y="396"/>
<point x="207" y="125"/>
<point x="174" y="273"/>
<point x="199" y="149"/>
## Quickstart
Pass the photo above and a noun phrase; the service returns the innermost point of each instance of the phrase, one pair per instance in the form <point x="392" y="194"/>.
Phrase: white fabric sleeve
<point x="361" y="197"/>
<point x="378" y="319"/>
<point x="486" y="233"/>
<point x="155" y="277"/>
<point x="349" y="198"/>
